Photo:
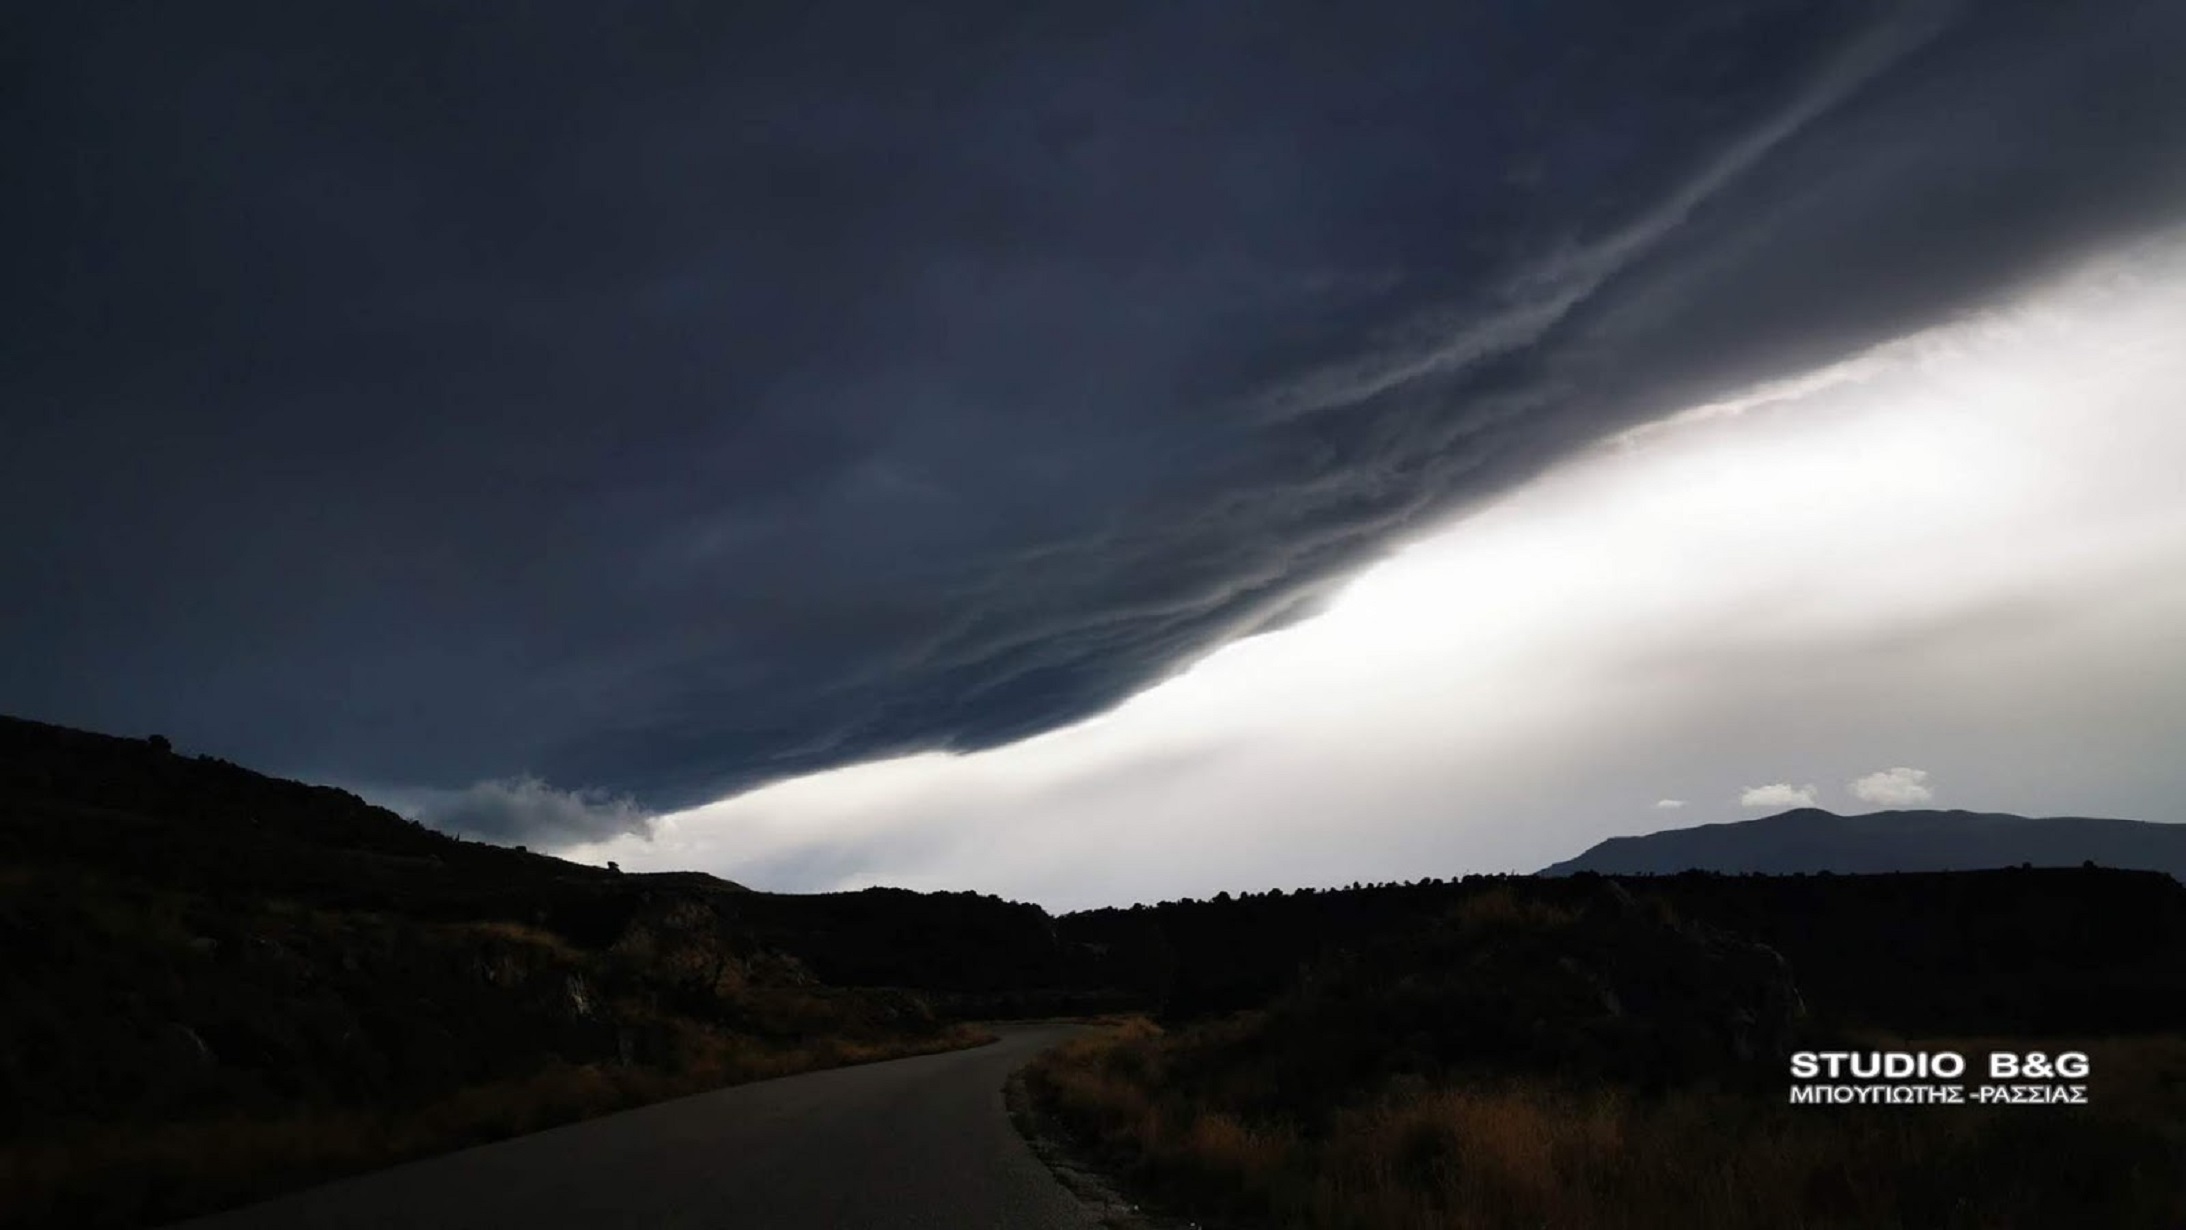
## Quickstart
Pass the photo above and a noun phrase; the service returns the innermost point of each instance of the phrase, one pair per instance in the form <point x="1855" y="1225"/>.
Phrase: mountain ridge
<point x="1812" y="839"/>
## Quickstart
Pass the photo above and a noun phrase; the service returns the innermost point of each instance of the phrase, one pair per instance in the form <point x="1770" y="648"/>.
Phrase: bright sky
<point x="1951" y="570"/>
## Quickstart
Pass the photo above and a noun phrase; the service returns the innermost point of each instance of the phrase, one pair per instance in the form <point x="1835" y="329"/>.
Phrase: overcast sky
<point x="831" y="444"/>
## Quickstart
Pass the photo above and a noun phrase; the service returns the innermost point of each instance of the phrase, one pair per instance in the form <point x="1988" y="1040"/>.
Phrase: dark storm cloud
<point x="523" y="809"/>
<point x="663" y="398"/>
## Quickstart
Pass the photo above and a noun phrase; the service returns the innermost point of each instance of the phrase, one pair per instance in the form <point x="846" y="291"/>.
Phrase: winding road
<point x="916" y="1144"/>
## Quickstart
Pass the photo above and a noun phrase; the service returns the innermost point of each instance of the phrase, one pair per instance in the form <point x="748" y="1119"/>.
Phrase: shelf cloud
<point x="578" y="416"/>
<point x="1962" y="546"/>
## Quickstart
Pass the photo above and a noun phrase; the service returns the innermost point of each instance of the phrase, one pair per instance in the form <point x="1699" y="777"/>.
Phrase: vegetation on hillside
<point x="219" y="985"/>
<point x="1431" y="1152"/>
<point x="1524" y="1060"/>
<point x="2043" y="950"/>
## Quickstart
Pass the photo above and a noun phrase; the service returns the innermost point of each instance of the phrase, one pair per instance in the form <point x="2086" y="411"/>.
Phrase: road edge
<point x="1074" y="1170"/>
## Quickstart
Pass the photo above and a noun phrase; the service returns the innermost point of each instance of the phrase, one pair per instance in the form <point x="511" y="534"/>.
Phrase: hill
<point x="2035" y="951"/>
<point x="1810" y="840"/>
<point x="219" y="983"/>
<point x="1588" y="1051"/>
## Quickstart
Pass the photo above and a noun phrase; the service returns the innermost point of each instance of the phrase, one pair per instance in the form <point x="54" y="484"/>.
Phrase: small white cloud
<point x="1779" y="794"/>
<point x="1668" y="804"/>
<point x="1893" y="787"/>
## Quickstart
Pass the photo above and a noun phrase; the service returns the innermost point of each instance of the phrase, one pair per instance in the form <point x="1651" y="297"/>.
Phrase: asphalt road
<point x="911" y="1143"/>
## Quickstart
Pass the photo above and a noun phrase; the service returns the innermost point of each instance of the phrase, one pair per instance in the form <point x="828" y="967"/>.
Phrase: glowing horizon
<point x="1990" y="503"/>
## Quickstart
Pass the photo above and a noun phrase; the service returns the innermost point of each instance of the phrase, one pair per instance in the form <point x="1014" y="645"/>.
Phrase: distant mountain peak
<point x="1813" y="839"/>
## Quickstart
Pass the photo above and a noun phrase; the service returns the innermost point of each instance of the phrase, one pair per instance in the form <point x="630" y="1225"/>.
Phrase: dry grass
<point x="114" y="1175"/>
<point x="1530" y="1154"/>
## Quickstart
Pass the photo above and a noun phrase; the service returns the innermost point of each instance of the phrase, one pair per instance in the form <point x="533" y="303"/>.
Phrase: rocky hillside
<point x="198" y="955"/>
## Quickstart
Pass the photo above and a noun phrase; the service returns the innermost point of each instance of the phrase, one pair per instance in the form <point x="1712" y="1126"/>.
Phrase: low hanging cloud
<point x="1778" y="794"/>
<point x="528" y="809"/>
<point x="1669" y="804"/>
<point x="1898" y="787"/>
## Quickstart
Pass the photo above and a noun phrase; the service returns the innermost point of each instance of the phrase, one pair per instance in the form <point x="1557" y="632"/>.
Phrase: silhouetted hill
<point x="218" y="983"/>
<point x="130" y="807"/>
<point x="129" y="810"/>
<point x="1587" y="1051"/>
<point x="1810" y="840"/>
<point x="2054" y="950"/>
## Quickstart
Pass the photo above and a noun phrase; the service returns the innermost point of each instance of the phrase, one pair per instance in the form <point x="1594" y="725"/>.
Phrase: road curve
<point x="912" y="1144"/>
